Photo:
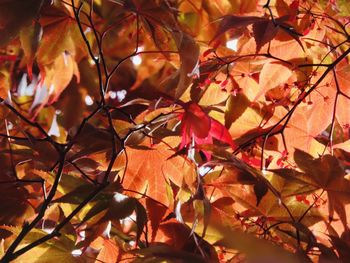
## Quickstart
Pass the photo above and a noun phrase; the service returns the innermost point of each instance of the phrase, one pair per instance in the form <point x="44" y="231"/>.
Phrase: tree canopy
<point x="174" y="131"/>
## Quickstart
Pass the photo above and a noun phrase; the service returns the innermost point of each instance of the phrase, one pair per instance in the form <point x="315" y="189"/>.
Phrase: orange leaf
<point x="109" y="252"/>
<point x="60" y="34"/>
<point x="149" y="169"/>
<point x="271" y="76"/>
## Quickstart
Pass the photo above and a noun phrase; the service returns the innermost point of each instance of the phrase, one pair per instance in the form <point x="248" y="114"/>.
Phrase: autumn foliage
<point x="174" y="131"/>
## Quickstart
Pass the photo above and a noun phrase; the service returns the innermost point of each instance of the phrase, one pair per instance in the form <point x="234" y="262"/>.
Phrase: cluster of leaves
<point x="176" y="131"/>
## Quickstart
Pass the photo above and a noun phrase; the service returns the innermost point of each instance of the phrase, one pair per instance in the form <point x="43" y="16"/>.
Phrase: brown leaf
<point x="30" y="38"/>
<point x="155" y="213"/>
<point x="14" y="14"/>
<point x="328" y="175"/>
<point x="235" y="22"/>
<point x="14" y="200"/>
<point x="235" y="107"/>
<point x="264" y="31"/>
<point x="57" y="23"/>
<point x="72" y="100"/>
<point x="189" y="55"/>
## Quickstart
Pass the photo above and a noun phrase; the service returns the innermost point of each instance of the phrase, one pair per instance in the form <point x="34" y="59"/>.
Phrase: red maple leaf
<point x="197" y="125"/>
<point x="293" y="10"/>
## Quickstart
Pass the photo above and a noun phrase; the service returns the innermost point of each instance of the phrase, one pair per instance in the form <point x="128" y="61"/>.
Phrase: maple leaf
<point x="197" y="125"/>
<point x="273" y="75"/>
<point x="55" y="23"/>
<point x="113" y="184"/>
<point x="14" y="202"/>
<point x="264" y="32"/>
<point x="150" y="168"/>
<point x="57" y="250"/>
<point x="246" y="243"/>
<point x="235" y="23"/>
<point x="109" y="252"/>
<point x="326" y="173"/>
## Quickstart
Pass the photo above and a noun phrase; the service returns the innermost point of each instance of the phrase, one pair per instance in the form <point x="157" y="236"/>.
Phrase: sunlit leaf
<point x="57" y="23"/>
<point x="255" y="249"/>
<point x="149" y="170"/>
<point x="109" y="252"/>
<point x="273" y="75"/>
<point x="60" y="250"/>
<point x="174" y="131"/>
